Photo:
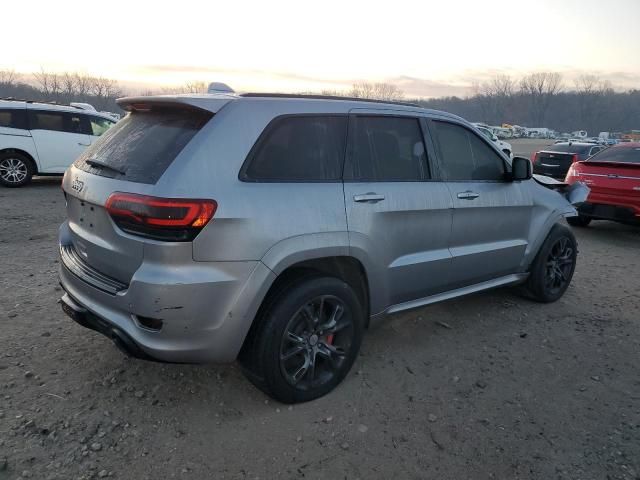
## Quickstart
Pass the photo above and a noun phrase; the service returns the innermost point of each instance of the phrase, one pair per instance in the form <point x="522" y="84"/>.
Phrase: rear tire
<point x="16" y="169"/>
<point x="579" y="221"/>
<point x="553" y="267"/>
<point x="306" y="339"/>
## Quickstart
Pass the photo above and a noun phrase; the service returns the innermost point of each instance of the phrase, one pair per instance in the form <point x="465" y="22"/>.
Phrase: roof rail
<point x="326" y="97"/>
<point x="59" y="104"/>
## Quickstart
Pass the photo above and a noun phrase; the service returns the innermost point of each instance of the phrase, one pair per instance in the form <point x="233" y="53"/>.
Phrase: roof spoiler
<point x="211" y="103"/>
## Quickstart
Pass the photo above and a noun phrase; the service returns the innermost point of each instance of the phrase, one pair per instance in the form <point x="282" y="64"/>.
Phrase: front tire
<point x="579" y="221"/>
<point x="553" y="267"/>
<point x="306" y="339"/>
<point x="16" y="169"/>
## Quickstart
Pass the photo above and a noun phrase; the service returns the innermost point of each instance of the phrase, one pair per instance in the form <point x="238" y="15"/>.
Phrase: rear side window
<point x="58" y="121"/>
<point x="386" y="149"/>
<point x="141" y="147"/>
<point x="299" y="149"/>
<point x="99" y="125"/>
<point x="464" y="155"/>
<point x="13" y="118"/>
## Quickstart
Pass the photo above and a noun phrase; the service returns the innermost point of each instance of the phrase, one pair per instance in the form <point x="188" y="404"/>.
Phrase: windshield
<point x="618" y="154"/>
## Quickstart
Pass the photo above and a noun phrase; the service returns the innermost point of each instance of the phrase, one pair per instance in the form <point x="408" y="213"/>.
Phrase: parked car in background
<point x="613" y="175"/>
<point x="275" y="228"/>
<point x="555" y="160"/>
<point x="44" y="139"/>
<point x="504" y="146"/>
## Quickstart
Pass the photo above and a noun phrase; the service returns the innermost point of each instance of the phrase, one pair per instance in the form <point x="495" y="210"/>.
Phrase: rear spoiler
<point x="212" y="103"/>
<point x="576" y="193"/>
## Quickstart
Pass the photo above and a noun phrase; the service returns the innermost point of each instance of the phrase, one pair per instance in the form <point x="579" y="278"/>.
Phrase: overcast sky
<point x="427" y="48"/>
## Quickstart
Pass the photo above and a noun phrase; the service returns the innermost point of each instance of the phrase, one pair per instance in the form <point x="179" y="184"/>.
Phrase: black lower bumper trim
<point x="608" y="212"/>
<point x="88" y="320"/>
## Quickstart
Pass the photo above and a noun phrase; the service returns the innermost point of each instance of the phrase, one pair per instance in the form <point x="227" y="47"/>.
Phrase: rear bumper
<point x="120" y="338"/>
<point x="603" y="211"/>
<point x="206" y="308"/>
<point x="611" y="207"/>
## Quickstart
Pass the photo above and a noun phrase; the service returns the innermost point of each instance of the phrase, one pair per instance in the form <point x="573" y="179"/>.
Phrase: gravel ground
<point x="488" y="386"/>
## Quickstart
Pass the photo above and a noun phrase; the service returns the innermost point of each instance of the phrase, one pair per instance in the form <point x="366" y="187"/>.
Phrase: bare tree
<point x="68" y="85"/>
<point x="196" y="86"/>
<point x="495" y="97"/>
<point x="82" y="85"/>
<point x="540" y="89"/>
<point x="8" y="78"/>
<point x="104" y="89"/>
<point x="591" y="92"/>
<point x="376" y="91"/>
<point x="50" y="84"/>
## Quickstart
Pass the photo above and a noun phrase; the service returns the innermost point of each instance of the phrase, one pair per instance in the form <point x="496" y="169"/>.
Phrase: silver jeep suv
<point x="275" y="229"/>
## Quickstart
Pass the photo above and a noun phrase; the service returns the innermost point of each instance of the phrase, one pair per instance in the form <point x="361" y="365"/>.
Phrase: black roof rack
<point x="326" y="97"/>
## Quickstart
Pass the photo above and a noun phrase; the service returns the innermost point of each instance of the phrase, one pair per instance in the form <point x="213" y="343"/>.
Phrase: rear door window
<point x="300" y="148"/>
<point x="464" y="155"/>
<point x="13" y="118"/>
<point x="140" y="147"/>
<point x="386" y="149"/>
<point x="67" y="122"/>
<point x="46" y="120"/>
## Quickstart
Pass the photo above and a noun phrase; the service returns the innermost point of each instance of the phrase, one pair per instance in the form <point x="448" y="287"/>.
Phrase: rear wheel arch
<point x="24" y="153"/>
<point x="346" y="268"/>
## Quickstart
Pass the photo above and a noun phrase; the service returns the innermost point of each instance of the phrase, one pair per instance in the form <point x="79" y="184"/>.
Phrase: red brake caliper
<point x="330" y="339"/>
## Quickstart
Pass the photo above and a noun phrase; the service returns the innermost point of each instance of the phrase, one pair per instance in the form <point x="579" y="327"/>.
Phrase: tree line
<point x="541" y="99"/>
<point x="62" y="88"/>
<point x="544" y="100"/>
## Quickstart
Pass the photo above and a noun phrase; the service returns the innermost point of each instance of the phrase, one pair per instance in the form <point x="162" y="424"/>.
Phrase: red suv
<point x="613" y="175"/>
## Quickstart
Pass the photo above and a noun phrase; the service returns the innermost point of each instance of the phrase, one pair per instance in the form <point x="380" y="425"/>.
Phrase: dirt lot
<point x="489" y="386"/>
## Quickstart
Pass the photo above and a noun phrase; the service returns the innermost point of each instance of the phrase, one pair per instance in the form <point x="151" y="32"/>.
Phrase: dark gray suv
<point x="275" y="229"/>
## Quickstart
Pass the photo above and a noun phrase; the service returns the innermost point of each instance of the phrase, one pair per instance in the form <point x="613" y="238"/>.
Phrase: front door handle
<point x="369" y="197"/>
<point x="84" y="144"/>
<point x="468" y="195"/>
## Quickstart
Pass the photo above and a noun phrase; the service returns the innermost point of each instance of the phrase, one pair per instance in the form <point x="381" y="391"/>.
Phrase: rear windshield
<point x="618" y="154"/>
<point x="140" y="147"/>
<point x="573" y="148"/>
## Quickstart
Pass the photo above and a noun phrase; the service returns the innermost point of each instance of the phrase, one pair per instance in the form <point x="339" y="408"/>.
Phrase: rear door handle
<point x="468" y="195"/>
<point x="368" y="197"/>
<point x="84" y="144"/>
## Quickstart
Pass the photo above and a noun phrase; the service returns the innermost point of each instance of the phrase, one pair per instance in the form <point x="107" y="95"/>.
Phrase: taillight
<point x="169" y="219"/>
<point x="571" y="173"/>
<point x="575" y="158"/>
<point x="534" y="157"/>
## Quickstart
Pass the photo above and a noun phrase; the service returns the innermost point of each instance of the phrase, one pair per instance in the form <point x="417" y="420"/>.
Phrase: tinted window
<point x="300" y="148"/>
<point x="386" y="149"/>
<point x="570" y="148"/>
<point x="141" y="147"/>
<point x="99" y="125"/>
<point x="464" y="155"/>
<point x="618" y="154"/>
<point x="53" y="121"/>
<point x="57" y="121"/>
<point x="13" y="118"/>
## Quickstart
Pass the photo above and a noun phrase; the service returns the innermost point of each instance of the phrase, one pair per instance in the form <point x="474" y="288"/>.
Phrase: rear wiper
<point x="99" y="164"/>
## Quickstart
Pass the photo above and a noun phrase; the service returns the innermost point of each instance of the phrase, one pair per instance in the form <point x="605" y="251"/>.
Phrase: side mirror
<point x="521" y="169"/>
<point x="494" y="138"/>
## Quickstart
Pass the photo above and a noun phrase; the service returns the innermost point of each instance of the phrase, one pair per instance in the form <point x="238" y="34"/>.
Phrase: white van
<point x="44" y="139"/>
